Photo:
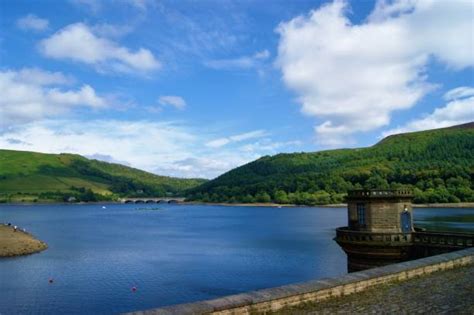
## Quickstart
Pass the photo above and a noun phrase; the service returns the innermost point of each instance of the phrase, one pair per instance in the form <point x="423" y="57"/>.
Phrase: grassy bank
<point x="18" y="243"/>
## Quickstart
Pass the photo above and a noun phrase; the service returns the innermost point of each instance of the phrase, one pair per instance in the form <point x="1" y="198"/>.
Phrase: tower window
<point x="361" y="213"/>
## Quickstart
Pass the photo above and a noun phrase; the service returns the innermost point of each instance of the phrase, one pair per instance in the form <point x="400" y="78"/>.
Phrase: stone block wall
<point x="382" y="215"/>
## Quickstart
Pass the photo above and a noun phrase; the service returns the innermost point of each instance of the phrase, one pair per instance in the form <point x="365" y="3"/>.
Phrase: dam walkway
<point x="443" y="292"/>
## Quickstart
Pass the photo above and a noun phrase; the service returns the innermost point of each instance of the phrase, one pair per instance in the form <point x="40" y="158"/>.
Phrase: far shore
<point x="336" y="205"/>
<point x="255" y="204"/>
<point x="17" y="243"/>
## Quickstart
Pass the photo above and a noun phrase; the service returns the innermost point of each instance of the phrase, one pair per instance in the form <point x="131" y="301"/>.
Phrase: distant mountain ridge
<point x="437" y="164"/>
<point x="30" y="176"/>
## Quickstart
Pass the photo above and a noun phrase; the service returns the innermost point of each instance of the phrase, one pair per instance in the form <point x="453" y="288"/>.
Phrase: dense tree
<point x="437" y="164"/>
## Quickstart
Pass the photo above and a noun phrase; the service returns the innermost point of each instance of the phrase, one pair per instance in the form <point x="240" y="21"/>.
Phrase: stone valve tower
<point x="379" y="230"/>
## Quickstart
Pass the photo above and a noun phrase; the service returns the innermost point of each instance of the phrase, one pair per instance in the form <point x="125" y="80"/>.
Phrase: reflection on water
<point x="445" y="219"/>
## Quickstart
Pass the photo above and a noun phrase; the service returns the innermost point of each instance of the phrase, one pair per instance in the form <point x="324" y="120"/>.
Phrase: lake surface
<point x="175" y="254"/>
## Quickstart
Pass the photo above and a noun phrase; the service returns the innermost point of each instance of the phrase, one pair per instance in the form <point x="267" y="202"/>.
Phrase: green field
<point x="30" y="176"/>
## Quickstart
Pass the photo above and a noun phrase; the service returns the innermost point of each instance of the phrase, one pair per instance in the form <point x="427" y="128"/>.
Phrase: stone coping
<point x="381" y="193"/>
<point x="273" y="299"/>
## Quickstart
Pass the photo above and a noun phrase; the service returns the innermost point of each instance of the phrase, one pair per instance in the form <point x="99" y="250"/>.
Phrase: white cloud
<point x="268" y="146"/>
<point x="460" y="92"/>
<point x="459" y="110"/>
<point x="352" y="77"/>
<point x="217" y="143"/>
<point x="158" y="143"/>
<point x="33" y="23"/>
<point x="31" y="94"/>
<point x="172" y="100"/>
<point x="78" y="42"/>
<point x="165" y="148"/>
<point x="111" y="30"/>
<point x="106" y="158"/>
<point x="245" y="62"/>
<point x="209" y="166"/>
<point x="36" y="76"/>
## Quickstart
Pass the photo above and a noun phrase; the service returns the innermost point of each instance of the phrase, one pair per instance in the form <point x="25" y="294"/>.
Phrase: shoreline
<point x="256" y="204"/>
<point x="337" y="205"/>
<point x="18" y="243"/>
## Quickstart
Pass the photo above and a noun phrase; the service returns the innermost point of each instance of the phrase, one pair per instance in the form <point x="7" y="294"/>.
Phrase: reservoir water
<point x="173" y="253"/>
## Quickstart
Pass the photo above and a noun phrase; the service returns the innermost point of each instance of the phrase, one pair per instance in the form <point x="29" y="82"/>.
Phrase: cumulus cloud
<point x="352" y="77"/>
<point x="245" y="62"/>
<point x="78" y="42"/>
<point x="31" y="22"/>
<point x="31" y="94"/>
<point x="219" y="142"/>
<point x="172" y="100"/>
<point x="166" y="148"/>
<point x="459" y="110"/>
<point x="36" y="76"/>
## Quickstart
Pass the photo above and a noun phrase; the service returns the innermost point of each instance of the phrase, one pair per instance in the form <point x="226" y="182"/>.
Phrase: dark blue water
<point x="180" y="253"/>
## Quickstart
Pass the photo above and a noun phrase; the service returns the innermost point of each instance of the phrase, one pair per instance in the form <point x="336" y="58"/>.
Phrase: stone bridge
<point x="153" y="200"/>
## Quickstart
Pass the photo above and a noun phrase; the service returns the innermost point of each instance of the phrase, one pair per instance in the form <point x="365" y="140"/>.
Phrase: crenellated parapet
<point x="380" y="193"/>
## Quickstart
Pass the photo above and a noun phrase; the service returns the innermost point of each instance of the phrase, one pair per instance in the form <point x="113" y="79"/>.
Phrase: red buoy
<point x="134" y="289"/>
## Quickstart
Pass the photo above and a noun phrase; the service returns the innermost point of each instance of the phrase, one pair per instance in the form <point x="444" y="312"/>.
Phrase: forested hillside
<point x="437" y="164"/>
<point x="32" y="176"/>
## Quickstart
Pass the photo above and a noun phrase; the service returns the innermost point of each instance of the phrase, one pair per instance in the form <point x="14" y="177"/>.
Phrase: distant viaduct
<point x="152" y="200"/>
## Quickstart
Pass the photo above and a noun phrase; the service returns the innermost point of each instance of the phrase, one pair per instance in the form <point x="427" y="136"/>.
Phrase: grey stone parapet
<point x="274" y="299"/>
<point x="380" y="193"/>
<point x="345" y="234"/>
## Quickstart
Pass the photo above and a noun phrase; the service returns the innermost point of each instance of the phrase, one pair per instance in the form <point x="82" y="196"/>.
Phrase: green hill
<point x="29" y="176"/>
<point x="437" y="164"/>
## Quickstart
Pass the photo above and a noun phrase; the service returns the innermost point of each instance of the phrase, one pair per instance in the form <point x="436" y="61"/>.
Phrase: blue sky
<point x="195" y="88"/>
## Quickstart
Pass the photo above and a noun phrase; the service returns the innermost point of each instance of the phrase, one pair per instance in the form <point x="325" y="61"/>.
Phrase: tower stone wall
<point x="379" y="211"/>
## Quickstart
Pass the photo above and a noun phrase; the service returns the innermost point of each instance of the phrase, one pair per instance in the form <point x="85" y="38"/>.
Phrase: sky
<point x="196" y="88"/>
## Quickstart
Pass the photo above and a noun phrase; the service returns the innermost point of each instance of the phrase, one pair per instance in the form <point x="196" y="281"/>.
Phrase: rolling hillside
<point x="29" y="176"/>
<point x="438" y="164"/>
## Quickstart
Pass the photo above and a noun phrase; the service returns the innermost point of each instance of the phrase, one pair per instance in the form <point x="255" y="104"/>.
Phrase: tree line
<point x="437" y="165"/>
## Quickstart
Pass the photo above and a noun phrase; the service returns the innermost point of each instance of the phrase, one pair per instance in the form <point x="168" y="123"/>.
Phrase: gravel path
<point x="446" y="292"/>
